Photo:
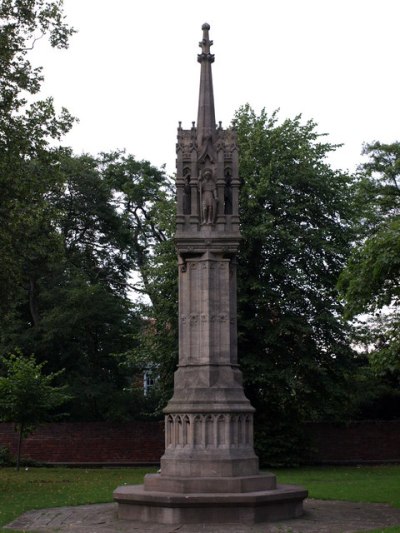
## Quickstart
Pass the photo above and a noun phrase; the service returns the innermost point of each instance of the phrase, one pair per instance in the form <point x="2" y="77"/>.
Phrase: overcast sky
<point x="131" y="72"/>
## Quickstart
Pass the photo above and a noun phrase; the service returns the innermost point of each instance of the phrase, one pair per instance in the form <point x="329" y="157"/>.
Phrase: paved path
<point x="320" y="517"/>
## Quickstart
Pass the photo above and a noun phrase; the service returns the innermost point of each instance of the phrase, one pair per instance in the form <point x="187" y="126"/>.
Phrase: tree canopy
<point x="72" y="229"/>
<point x="28" y="126"/>
<point x="296" y="220"/>
<point x="72" y="302"/>
<point x="370" y="283"/>
<point x="27" y="396"/>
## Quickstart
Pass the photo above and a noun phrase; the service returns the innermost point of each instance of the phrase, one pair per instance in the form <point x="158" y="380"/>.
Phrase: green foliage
<point x="143" y="195"/>
<point x="6" y="458"/>
<point x="27" y="396"/>
<point x="370" y="282"/>
<point x="156" y="350"/>
<point x="23" y="22"/>
<point x="296" y="216"/>
<point x="72" y="300"/>
<point x="281" y="441"/>
<point x="26" y="131"/>
<point x="146" y="201"/>
<point x="372" y="275"/>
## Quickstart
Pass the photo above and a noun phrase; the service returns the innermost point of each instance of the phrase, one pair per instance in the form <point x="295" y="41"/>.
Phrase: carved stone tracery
<point x="193" y="165"/>
<point x="209" y="430"/>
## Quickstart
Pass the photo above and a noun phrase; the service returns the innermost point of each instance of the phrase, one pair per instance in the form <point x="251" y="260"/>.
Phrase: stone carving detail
<point x="222" y="430"/>
<point x="186" y="143"/>
<point x="187" y="193"/>
<point x="228" y="191"/>
<point x="195" y="318"/>
<point x="208" y="197"/>
<point x="204" y="265"/>
<point x="230" y="142"/>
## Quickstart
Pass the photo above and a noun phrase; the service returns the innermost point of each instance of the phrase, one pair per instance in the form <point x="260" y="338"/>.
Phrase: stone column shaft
<point x="209" y="471"/>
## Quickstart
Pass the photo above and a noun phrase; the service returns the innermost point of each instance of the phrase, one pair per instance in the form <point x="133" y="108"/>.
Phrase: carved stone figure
<point x="209" y="470"/>
<point x="208" y="197"/>
<point x="228" y="192"/>
<point x="187" y="196"/>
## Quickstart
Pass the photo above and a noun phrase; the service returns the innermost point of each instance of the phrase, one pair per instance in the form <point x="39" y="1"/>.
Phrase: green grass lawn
<point x="380" y="484"/>
<point x="37" y="488"/>
<point x="374" y="484"/>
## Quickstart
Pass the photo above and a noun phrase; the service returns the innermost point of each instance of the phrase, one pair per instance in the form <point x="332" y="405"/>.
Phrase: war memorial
<point x="209" y="471"/>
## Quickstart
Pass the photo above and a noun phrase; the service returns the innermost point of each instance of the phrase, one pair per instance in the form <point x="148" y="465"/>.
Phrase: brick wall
<point x="90" y="442"/>
<point x="143" y="442"/>
<point x="369" y="441"/>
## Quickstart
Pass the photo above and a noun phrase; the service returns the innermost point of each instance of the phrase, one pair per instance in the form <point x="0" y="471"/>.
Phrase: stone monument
<point x="209" y="471"/>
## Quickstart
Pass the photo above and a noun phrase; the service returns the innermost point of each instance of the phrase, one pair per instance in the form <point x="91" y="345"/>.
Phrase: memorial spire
<point x="209" y="471"/>
<point x="206" y="111"/>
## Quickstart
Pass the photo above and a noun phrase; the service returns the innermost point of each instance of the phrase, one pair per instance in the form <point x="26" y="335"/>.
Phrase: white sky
<point x="131" y="71"/>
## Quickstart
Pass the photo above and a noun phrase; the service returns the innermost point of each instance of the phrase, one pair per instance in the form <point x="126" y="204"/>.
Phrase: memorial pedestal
<point x="209" y="471"/>
<point x="211" y="506"/>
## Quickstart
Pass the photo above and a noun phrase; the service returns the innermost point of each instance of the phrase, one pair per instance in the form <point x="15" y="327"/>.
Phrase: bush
<point x="6" y="459"/>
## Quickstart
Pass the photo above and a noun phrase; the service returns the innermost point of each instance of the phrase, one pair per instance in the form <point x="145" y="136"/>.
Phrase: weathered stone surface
<point x="209" y="421"/>
<point x="209" y="471"/>
<point x="135" y="503"/>
<point x="320" y="516"/>
<point x="188" y="485"/>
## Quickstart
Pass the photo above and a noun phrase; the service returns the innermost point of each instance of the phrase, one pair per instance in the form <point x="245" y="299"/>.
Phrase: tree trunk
<point x="33" y="303"/>
<point x="21" y="429"/>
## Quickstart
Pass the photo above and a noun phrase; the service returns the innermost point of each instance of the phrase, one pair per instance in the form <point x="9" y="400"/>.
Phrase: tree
<point x="296" y="220"/>
<point x="73" y="306"/>
<point x="120" y="227"/>
<point x="23" y="22"/>
<point x="26" y="129"/>
<point x="370" y="282"/>
<point x="27" y="396"/>
<point x="146" y="200"/>
<point x="71" y="231"/>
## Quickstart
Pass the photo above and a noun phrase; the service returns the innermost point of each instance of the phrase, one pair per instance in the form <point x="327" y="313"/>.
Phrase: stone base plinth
<point x="189" y="485"/>
<point x="136" y="503"/>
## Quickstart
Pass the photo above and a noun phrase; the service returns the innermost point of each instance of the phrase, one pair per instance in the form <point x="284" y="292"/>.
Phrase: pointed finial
<point x="205" y="45"/>
<point x="206" y="126"/>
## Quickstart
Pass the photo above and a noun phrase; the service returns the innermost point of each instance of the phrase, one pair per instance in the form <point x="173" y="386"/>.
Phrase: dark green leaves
<point x="370" y="283"/>
<point x="27" y="395"/>
<point x="296" y="220"/>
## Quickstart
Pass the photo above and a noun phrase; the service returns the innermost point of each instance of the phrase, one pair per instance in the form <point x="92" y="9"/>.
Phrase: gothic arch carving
<point x="221" y="430"/>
